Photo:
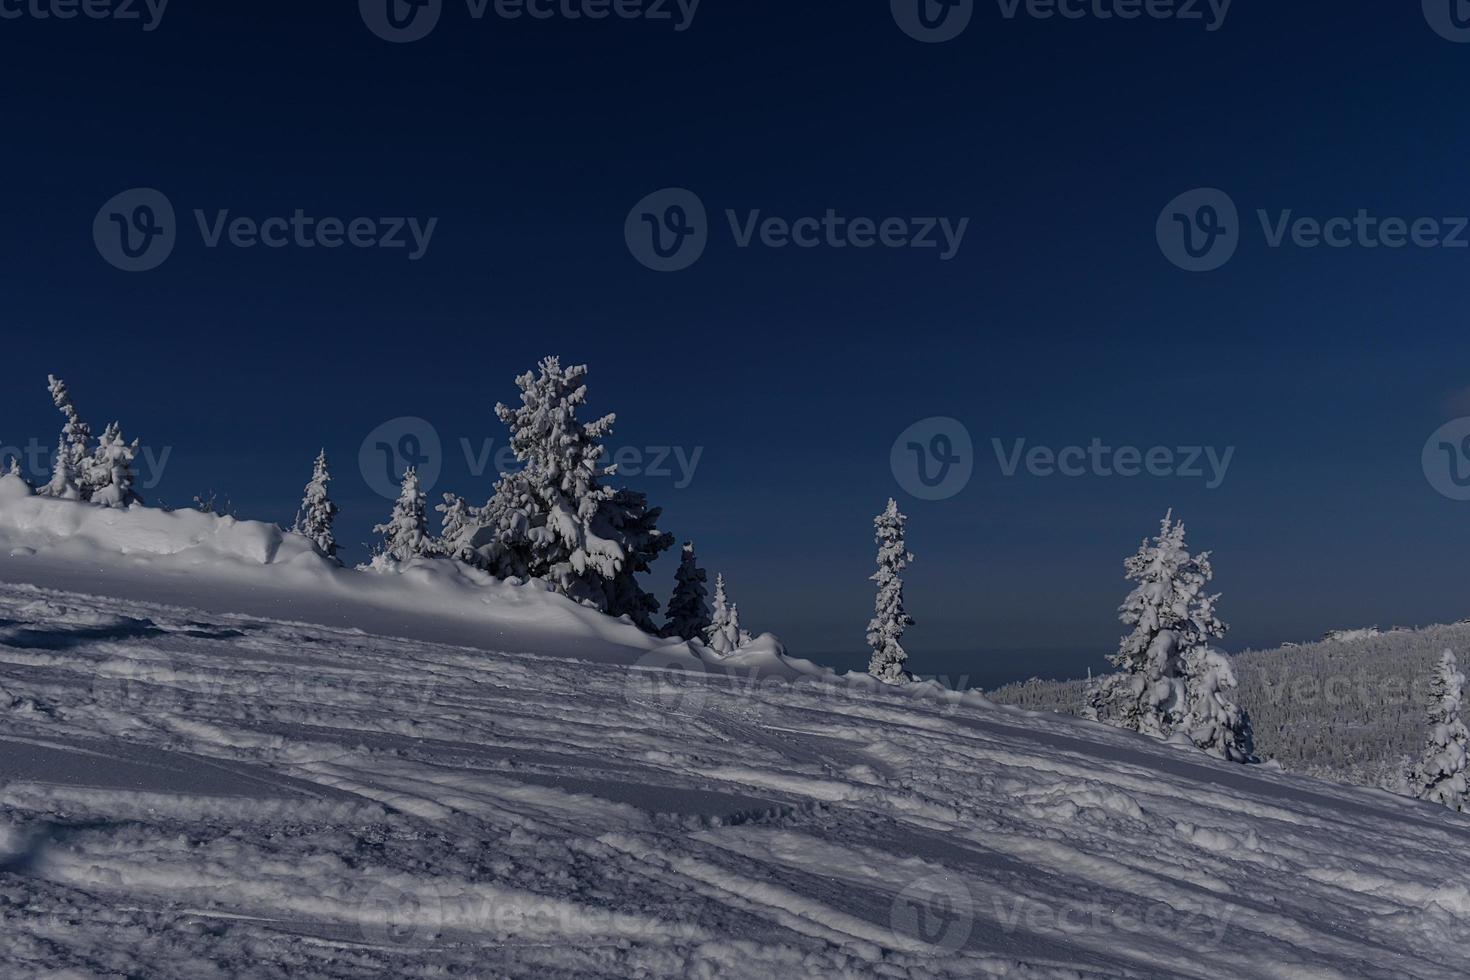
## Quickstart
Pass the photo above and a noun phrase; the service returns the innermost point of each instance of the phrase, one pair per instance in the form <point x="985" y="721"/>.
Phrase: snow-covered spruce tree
<point x="1442" y="774"/>
<point x="555" y="519"/>
<point x="723" y="635"/>
<point x="108" y="478"/>
<point x="1212" y="719"/>
<point x="406" y="535"/>
<point x="689" y="615"/>
<point x="459" y="523"/>
<point x="1171" y="614"/>
<point x="889" y="621"/>
<point x="318" y="512"/>
<point x="73" y="452"/>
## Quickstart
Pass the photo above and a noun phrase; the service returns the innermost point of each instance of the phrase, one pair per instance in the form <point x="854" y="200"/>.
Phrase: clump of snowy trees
<point x="890" y="620"/>
<point x="100" y="473"/>
<point x="1442" y="774"/>
<point x="1170" y="681"/>
<point x="556" y="518"/>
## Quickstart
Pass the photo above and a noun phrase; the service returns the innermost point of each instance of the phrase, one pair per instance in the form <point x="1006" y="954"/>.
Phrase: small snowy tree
<point x="1171" y="614"/>
<point x="315" y="518"/>
<point x="73" y="452"/>
<point x="459" y="523"/>
<point x="689" y="615"/>
<point x="406" y="535"/>
<point x="108" y="478"/>
<point x="1443" y="773"/>
<point x="1212" y="719"/>
<point x="724" y="635"/>
<point x="889" y="621"/>
<point x="555" y="519"/>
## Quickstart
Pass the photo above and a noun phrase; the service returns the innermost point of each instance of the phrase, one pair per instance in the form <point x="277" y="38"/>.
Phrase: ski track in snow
<point x="193" y="795"/>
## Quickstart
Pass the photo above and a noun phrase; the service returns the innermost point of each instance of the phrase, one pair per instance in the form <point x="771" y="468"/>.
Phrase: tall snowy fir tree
<point x="406" y="535"/>
<point x="73" y="451"/>
<point x="108" y="477"/>
<point x="689" y="615"/>
<point x="889" y="621"/>
<point x="555" y="519"/>
<point x="1171" y="614"/>
<point x="723" y="635"/>
<point x="1212" y="719"/>
<point x="1442" y="774"/>
<point x="317" y="514"/>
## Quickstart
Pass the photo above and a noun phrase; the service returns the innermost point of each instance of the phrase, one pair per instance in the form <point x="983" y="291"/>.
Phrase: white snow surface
<point x="229" y="760"/>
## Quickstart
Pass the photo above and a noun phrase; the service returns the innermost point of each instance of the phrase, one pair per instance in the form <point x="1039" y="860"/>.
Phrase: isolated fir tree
<point x="73" y="452"/>
<point x="723" y="635"/>
<point x="108" y="477"/>
<point x="555" y="519"/>
<point x="1212" y="719"/>
<point x="1443" y="773"/>
<point x="406" y="535"/>
<point x="317" y="514"/>
<point x="689" y="614"/>
<point x="1171" y="614"/>
<point x="889" y="621"/>
<point x="13" y="469"/>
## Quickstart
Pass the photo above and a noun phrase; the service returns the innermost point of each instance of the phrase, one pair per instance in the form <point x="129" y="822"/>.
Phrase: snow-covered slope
<point x="199" y="794"/>
<point x="219" y="563"/>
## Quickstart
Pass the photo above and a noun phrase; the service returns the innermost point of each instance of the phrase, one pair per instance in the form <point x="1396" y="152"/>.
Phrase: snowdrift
<point x="228" y="565"/>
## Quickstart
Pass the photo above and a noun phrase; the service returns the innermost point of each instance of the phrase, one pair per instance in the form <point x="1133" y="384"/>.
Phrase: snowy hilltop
<point x="190" y="794"/>
<point x="224" y="753"/>
<point x="248" y="761"/>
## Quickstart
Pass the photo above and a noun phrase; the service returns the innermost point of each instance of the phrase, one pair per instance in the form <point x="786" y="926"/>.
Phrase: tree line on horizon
<point x="557" y="519"/>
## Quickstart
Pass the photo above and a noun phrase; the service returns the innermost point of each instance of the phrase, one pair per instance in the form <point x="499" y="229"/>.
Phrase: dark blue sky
<point x="1059" y="319"/>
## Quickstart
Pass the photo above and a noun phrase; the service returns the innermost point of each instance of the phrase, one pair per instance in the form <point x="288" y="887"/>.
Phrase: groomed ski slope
<point x="198" y="793"/>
